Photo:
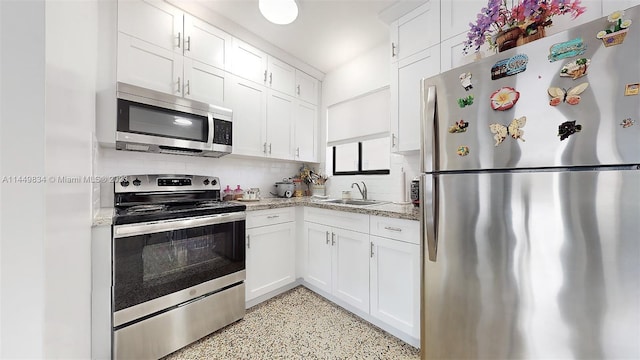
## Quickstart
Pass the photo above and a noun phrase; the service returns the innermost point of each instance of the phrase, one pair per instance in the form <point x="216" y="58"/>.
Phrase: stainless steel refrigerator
<point x="531" y="227"/>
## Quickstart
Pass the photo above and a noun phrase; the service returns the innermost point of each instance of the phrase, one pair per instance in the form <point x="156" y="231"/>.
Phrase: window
<point x="367" y="157"/>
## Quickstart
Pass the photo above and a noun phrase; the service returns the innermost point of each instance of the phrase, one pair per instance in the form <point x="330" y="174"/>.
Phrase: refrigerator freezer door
<point x="600" y="113"/>
<point x="535" y="265"/>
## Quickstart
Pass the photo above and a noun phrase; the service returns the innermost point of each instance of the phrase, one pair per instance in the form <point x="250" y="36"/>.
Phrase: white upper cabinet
<point x="282" y="76"/>
<point x="280" y="112"/>
<point x="307" y="87"/>
<point x="205" y="43"/>
<point x="456" y="16"/>
<point x="609" y="6"/>
<point x="416" y="31"/>
<point x="204" y="82"/>
<point x="249" y="103"/>
<point x="249" y="62"/>
<point x="153" y="21"/>
<point x="305" y="125"/>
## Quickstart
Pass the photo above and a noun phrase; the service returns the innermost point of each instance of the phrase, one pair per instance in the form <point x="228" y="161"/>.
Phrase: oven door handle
<point x="120" y="231"/>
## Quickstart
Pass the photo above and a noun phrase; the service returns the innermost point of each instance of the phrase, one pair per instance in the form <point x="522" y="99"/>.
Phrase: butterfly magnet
<point x="570" y="96"/>
<point x="514" y="129"/>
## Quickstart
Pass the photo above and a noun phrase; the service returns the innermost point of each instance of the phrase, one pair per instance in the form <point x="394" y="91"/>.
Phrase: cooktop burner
<point x="145" y="198"/>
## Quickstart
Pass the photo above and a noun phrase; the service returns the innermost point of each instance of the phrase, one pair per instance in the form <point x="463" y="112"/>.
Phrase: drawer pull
<point x="327" y="237"/>
<point x="391" y="228"/>
<point x="333" y="239"/>
<point x="273" y="216"/>
<point x="248" y="242"/>
<point x="372" y="250"/>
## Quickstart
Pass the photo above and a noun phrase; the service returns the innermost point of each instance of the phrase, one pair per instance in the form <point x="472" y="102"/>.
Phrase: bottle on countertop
<point x="227" y="194"/>
<point x="238" y="193"/>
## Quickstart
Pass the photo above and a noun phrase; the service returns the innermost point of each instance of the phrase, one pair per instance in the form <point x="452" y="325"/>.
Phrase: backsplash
<point x="232" y="171"/>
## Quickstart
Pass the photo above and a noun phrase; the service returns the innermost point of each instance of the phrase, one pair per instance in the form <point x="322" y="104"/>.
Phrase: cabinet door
<point x="153" y="21"/>
<point x="249" y="103"/>
<point x="609" y="6"/>
<point x="282" y="76"/>
<point x="270" y="258"/>
<point x="456" y="16"/>
<point x="280" y="109"/>
<point x="351" y="267"/>
<point x="405" y="117"/>
<point x="206" y="43"/>
<point x="395" y="284"/>
<point x="203" y="82"/>
<point x="149" y="66"/>
<point x="248" y="62"/>
<point x="318" y="238"/>
<point x="418" y="30"/>
<point x="305" y="131"/>
<point x="307" y="87"/>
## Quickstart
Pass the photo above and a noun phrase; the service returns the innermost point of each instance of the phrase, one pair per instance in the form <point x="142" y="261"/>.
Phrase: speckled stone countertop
<point x="388" y="209"/>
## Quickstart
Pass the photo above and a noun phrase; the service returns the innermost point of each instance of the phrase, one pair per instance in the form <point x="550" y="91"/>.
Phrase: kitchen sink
<point x="354" y="202"/>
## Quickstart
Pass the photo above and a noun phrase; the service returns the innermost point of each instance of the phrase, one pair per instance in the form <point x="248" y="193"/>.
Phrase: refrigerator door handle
<point x="428" y="185"/>
<point x="428" y="129"/>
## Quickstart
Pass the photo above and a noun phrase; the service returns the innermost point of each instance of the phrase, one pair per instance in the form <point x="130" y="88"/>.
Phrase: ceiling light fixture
<point x="280" y="12"/>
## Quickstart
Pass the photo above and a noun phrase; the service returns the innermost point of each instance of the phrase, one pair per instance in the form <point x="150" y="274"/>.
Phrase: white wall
<point x="22" y="209"/>
<point x="368" y="72"/>
<point x="232" y="170"/>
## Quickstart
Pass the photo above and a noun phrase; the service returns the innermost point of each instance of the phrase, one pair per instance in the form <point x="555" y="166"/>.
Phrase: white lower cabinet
<point x="338" y="258"/>
<point x="270" y="255"/>
<point x="395" y="284"/>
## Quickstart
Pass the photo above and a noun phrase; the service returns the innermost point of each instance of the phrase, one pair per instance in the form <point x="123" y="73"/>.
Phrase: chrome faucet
<point x="363" y="191"/>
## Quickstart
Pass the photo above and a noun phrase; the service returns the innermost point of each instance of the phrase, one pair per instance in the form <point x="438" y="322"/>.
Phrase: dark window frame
<point x="359" y="171"/>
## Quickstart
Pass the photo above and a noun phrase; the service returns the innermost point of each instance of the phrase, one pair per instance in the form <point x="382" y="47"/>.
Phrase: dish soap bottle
<point x="227" y="194"/>
<point x="238" y="193"/>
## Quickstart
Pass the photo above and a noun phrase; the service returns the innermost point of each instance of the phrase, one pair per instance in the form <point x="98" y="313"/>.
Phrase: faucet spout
<point x="363" y="190"/>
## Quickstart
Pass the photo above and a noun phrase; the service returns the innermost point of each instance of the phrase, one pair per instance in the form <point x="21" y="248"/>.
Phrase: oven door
<point x="164" y="264"/>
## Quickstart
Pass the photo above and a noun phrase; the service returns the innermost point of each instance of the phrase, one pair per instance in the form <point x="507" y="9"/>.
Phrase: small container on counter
<point x="227" y="194"/>
<point x="238" y="193"/>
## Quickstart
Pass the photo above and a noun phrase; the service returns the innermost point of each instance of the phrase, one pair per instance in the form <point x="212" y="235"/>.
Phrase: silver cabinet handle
<point x="298" y="151"/>
<point x="179" y="40"/>
<point x="391" y="228"/>
<point x="269" y="148"/>
<point x="265" y="76"/>
<point x="188" y="41"/>
<point x="371" y="249"/>
<point x="393" y="50"/>
<point x="178" y="84"/>
<point x="264" y="148"/>
<point x="327" y="238"/>
<point x="270" y="78"/>
<point x="393" y="140"/>
<point x="273" y="216"/>
<point x="333" y="239"/>
<point x="187" y="86"/>
<point x="298" y="89"/>
<point x="248" y="242"/>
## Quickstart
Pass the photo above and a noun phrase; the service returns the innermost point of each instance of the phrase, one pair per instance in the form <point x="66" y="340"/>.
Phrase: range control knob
<point x="214" y="182"/>
<point x="206" y="181"/>
<point x="137" y="182"/>
<point x="124" y="183"/>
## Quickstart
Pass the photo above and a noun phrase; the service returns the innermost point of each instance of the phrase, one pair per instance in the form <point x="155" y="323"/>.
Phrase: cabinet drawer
<point x="339" y="219"/>
<point x="270" y="217"/>
<point x="397" y="229"/>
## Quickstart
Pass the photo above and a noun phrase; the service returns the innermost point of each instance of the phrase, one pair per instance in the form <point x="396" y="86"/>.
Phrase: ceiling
<point x="326" y="34"/>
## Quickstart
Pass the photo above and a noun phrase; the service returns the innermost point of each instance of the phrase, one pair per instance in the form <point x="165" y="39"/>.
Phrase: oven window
<point x="153" y="265"/>
<point x="149" y="120"/>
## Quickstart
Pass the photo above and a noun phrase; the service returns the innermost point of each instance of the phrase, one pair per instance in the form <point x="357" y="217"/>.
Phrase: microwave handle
<point x="210" y="118"/>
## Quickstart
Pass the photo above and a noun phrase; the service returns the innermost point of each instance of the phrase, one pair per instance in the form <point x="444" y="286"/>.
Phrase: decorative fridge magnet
<point x="631" y="89"/>
<point x="571" y="96"/>
<point x="514" y="129"/>
<point x="463" y="150"/>
<point x="504" y="98"/>
<point x="567" y="129"/>
<point x="567" y="49"/>
<point x="465" y="81"/>
<point x="510" y="66"/>
<point x="627" y="123"/>
<point x="459" y="127"/>
<point x="615" y="34"/>
<point x="575" y="69"/>
<point x="465" y="101"/>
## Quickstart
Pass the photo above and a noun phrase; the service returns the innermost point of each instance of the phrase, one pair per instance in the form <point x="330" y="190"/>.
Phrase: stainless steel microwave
<point x="151" y="121"/>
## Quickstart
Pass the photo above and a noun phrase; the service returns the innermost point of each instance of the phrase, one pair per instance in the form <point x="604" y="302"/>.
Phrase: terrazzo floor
<point x="298" y="324"/>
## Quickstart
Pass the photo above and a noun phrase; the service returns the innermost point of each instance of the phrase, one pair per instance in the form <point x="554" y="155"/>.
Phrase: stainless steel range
<point x="178" y="263"/>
